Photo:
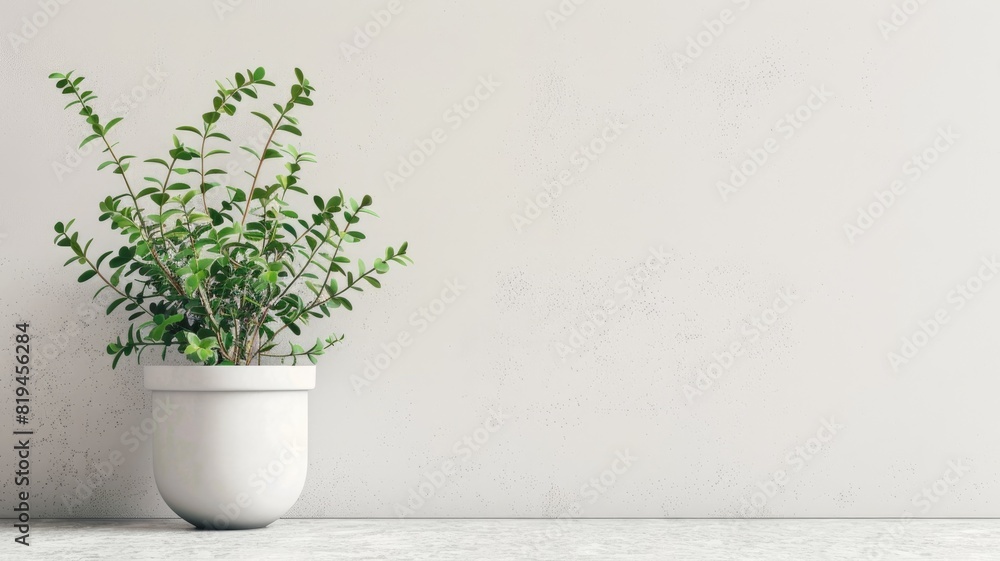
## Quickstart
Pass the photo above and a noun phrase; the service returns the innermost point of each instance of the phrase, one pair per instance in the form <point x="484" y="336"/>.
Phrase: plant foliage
<point x="222" y="281"/>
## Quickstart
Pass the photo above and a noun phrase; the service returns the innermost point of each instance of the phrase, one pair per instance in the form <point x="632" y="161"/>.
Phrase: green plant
<point x="221" y="282"/>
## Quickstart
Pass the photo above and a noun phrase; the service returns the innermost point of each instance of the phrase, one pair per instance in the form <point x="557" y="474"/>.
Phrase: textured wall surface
<point x="729" y="258"/>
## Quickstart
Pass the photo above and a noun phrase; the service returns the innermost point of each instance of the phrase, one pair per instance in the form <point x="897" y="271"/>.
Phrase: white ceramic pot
<point x="230" y="446"/>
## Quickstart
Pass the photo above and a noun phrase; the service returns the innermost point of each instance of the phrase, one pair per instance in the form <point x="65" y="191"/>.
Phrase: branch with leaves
<point x="221" y="283"/>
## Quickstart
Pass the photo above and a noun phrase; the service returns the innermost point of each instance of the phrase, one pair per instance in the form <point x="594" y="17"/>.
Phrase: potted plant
<point x="227" y="275"/>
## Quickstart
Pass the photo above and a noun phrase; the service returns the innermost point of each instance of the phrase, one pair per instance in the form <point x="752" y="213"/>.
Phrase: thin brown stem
<point x="135" y="201"/>
<point x="260" y="164"/>
<point x="315" y="305"/>
<point x="101" y="276"/>
<point x="256" y="332"/>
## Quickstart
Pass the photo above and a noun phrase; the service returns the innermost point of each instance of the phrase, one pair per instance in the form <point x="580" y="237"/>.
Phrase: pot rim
<point x="200" y="378"/>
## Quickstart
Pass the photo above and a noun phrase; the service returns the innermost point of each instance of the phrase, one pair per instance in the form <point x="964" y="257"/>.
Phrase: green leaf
<point x="87" y="275"/>
<point x="115" y="304"/>
<point x="331" y="288"/>
<point x="259" y="73"/>
<point x="117" y="275"/>
<point x="291" y="129"/>
<point x="112" y="123"/>
<point x="263" y="117"/>
<point x="191" y="283"/>
<point x="125" y="255"/>
<point x="102" y="258"/>
<point x="88" y="139"/>
<point x="211" y="117"/>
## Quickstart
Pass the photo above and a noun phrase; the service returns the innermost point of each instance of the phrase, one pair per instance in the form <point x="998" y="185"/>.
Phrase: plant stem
<point x="260" y="164"/>
<point x="135" y="202"/>
<point x="101" y="276"/>
<point x="291" y="283"/>
<point x="315" y="305"/>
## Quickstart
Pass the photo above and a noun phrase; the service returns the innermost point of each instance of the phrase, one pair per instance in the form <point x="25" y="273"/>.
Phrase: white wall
<point x="496" y="348"/>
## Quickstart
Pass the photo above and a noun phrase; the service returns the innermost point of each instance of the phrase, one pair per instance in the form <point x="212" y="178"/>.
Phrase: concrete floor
<point x="472" y="540"/>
